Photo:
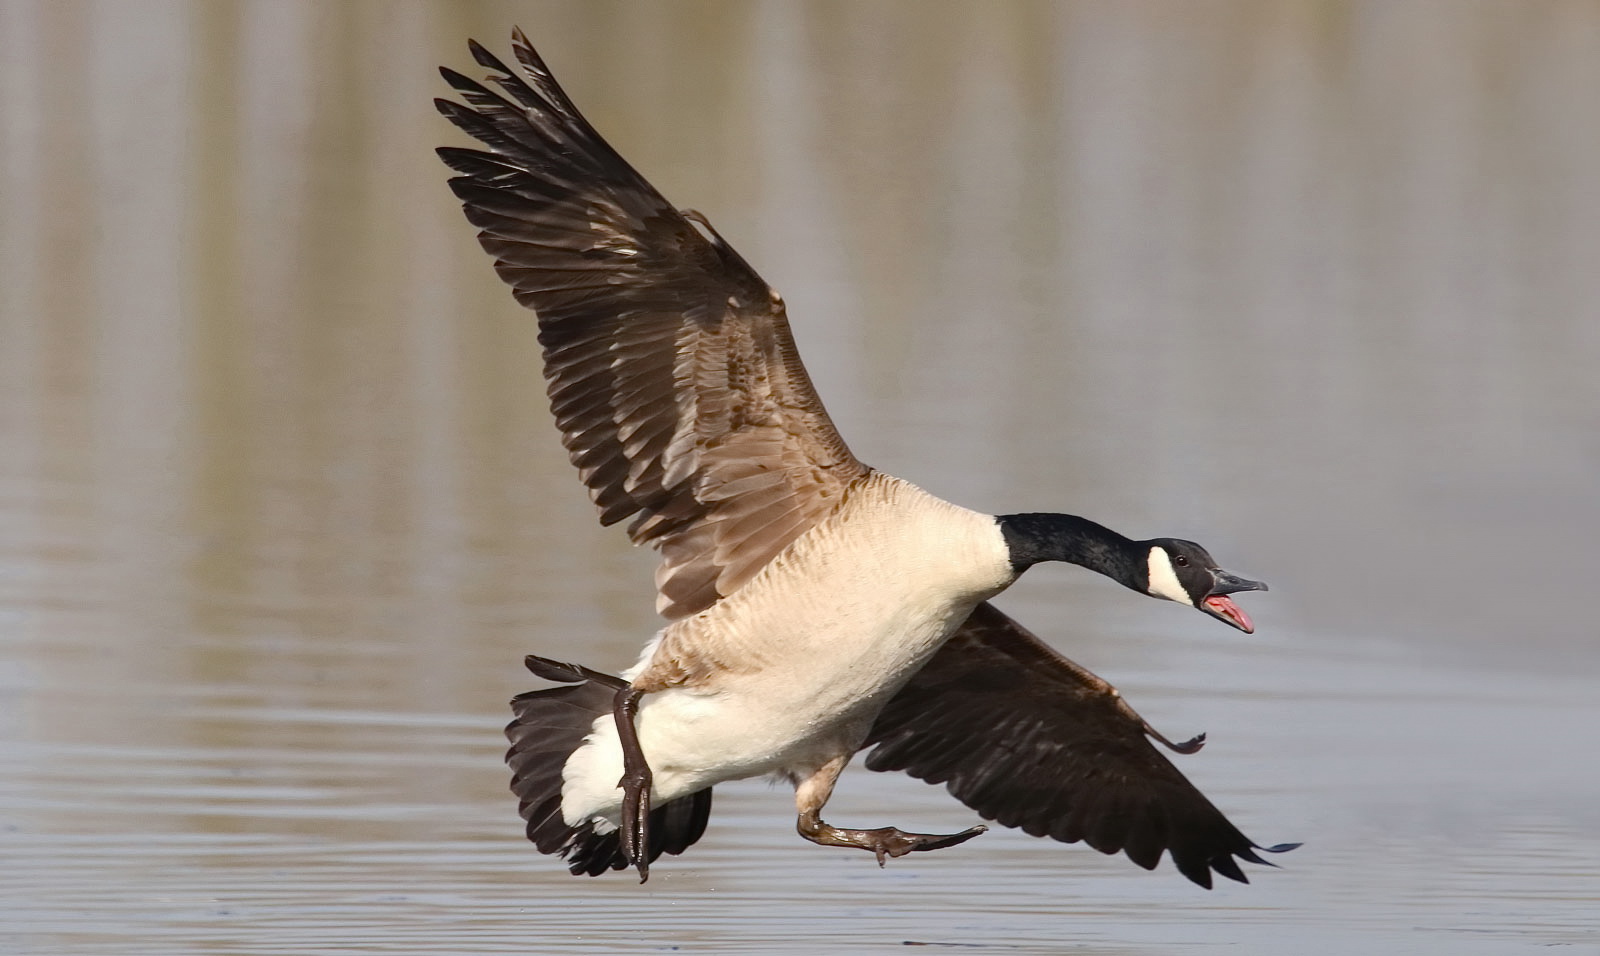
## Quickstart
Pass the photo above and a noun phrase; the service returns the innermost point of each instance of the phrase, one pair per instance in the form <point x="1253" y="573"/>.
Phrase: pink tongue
<point x="1221" y="604"/>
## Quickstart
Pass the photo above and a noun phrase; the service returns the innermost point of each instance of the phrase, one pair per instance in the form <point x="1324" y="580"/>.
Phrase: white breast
<point x="809" y="650"/>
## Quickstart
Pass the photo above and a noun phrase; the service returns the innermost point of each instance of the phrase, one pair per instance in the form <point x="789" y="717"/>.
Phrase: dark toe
<point x="934" y="841"/>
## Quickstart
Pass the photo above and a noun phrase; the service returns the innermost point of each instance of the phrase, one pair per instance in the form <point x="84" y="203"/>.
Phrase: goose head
<point x="1182" y="571"/>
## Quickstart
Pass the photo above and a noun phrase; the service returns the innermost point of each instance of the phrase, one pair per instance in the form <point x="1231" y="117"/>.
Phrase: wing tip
<point x="1226" y="865"/>
<point x="455" y="78"/>
<point x="483" y="57"/>
<point x="1254" y="857"/>
<point x="1186" y="747"/>
<point x="523" y="49"/>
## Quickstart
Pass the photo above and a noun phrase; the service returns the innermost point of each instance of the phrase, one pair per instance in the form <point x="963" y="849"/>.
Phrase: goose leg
<point x="635" y="783"/>
<point x="884" y="842"/>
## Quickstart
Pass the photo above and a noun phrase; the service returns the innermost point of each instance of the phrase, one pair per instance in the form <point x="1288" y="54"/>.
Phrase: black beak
<point x="1230" y="583"/>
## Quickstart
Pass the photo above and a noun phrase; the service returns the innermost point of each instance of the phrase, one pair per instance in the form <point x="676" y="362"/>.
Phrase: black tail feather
<point x="549" y="725"/>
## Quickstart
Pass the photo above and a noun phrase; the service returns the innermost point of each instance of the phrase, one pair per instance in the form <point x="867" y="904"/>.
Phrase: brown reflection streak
<point x="67" y="252"/>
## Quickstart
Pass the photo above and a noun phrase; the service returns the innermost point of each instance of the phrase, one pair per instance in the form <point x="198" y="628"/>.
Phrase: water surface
<point x="281" y="510"/>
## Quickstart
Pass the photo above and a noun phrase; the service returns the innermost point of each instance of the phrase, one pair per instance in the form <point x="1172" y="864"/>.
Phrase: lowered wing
<point x="1029" y="739"/>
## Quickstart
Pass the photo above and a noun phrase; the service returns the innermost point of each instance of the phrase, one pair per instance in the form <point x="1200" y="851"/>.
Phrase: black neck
<point x="1051" y="537"/>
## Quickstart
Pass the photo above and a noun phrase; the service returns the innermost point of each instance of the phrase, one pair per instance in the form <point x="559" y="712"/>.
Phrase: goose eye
<point x="1181" y="561"/>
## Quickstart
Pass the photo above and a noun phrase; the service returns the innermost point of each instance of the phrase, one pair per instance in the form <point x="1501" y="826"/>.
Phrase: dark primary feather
<point x="1029" y="739"/>
<point x="671" y="369"/>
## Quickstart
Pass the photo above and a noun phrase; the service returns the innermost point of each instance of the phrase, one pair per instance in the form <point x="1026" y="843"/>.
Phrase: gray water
<point x="281" y="510"/>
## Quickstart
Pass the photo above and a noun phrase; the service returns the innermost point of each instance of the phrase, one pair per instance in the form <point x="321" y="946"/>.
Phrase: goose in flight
<point x="816" y="607"/>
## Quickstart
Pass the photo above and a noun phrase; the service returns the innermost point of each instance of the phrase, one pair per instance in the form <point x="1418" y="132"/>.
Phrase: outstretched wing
<point x="672" y="372"/>
<point x="1029" y="739"/>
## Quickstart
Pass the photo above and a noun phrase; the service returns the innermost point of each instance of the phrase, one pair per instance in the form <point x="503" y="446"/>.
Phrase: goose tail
<point x="547" y="727"/>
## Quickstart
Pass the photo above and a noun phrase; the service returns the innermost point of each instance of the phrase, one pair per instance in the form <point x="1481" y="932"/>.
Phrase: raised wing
<point x="1029" y="739"/>
<point x="672" y="372"/>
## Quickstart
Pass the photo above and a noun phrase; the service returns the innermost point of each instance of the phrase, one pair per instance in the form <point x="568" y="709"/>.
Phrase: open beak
<point x="1220" y="606"/>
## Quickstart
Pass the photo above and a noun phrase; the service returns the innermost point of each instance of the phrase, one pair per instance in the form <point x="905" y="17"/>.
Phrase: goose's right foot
<point x="814" y="789"/>
<point x="883" y="842"/>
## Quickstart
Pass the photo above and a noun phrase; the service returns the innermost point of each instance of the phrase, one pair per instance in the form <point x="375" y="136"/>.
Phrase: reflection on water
<point x="280" y="510"/>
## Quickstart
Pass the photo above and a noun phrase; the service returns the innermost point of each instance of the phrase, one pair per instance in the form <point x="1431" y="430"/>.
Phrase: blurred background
<point x="1314" y="283"/>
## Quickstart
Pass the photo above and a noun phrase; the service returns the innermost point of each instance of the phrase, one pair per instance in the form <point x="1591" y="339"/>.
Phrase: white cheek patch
<point x="1164" y="580"/>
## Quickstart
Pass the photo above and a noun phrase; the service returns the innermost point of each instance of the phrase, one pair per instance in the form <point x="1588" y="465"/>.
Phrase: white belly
<point x="810" y="650"/>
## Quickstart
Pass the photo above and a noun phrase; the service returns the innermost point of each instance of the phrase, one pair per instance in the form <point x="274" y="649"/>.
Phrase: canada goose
<point x="816" y="607"/>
